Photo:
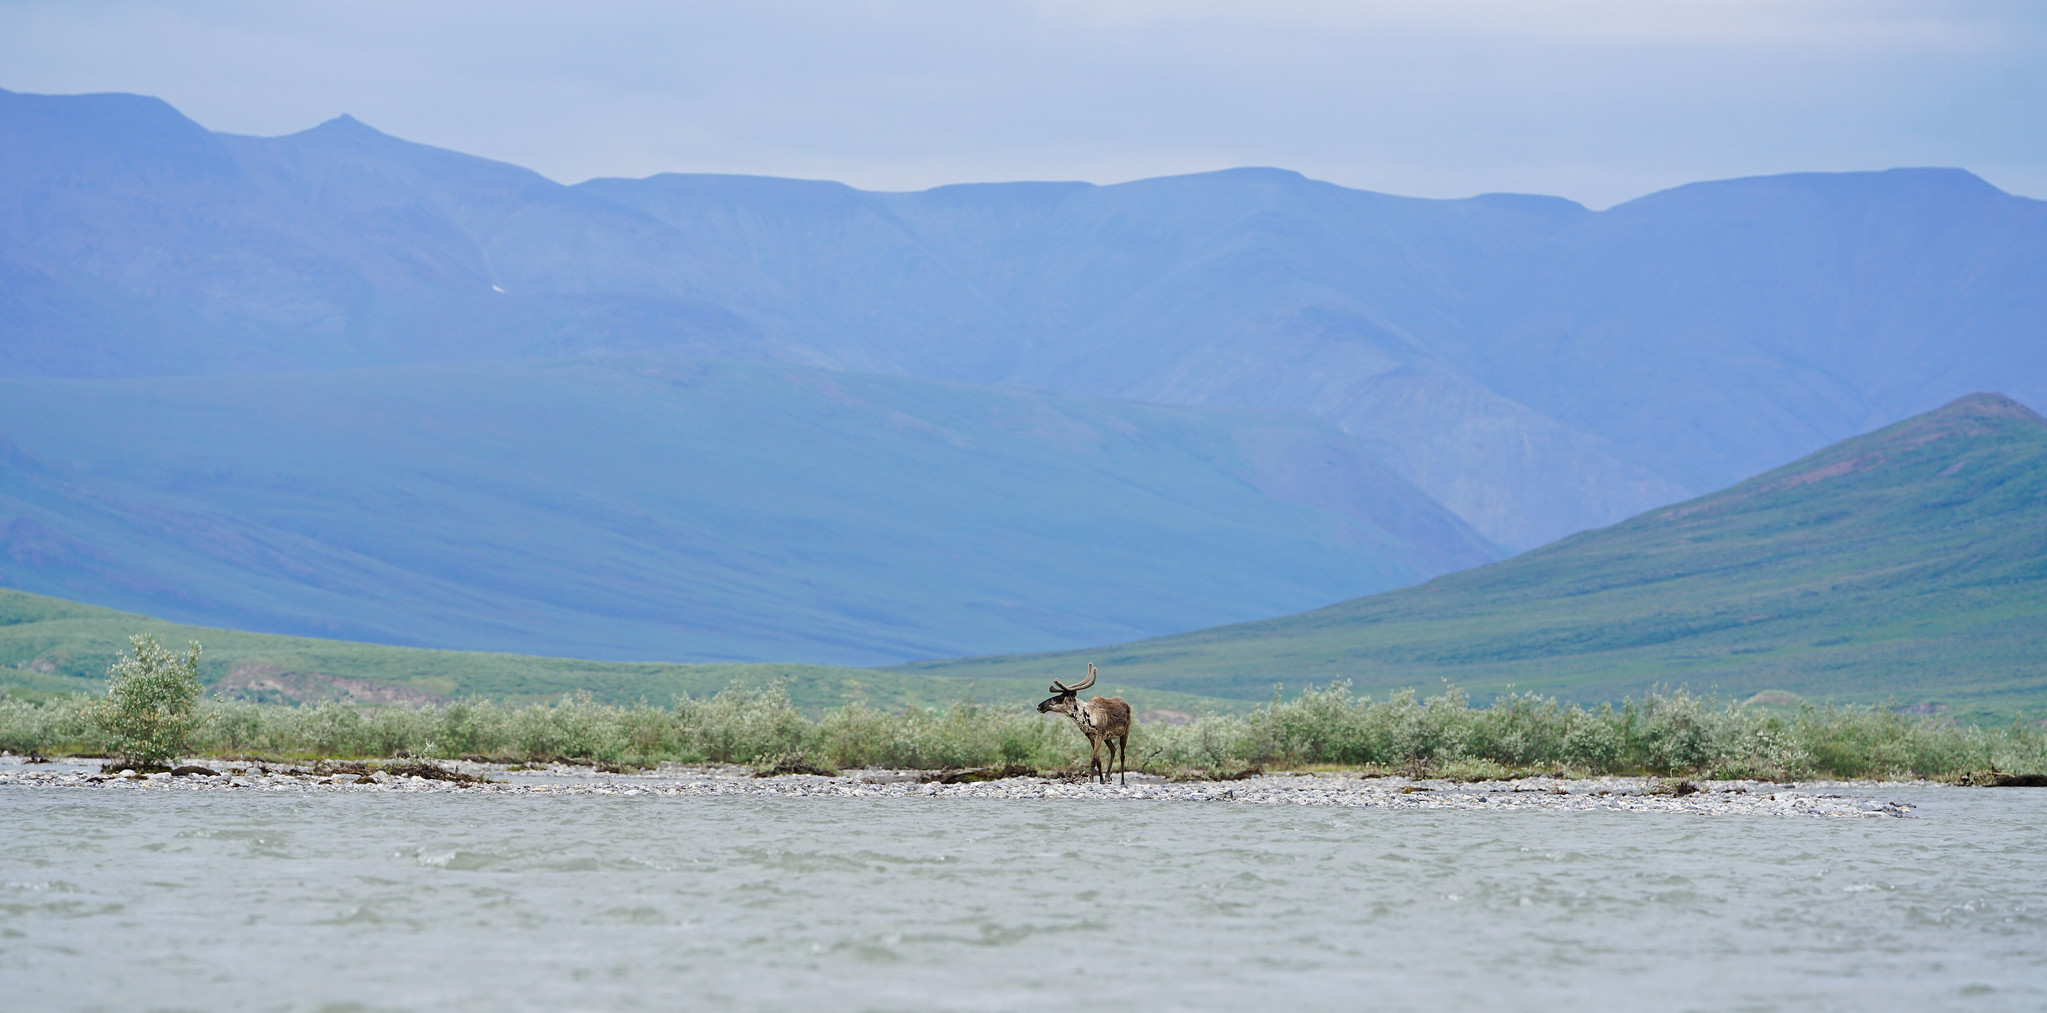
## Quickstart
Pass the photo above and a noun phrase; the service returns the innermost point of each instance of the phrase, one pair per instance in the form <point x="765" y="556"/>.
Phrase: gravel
<point x="1710" y="798"/>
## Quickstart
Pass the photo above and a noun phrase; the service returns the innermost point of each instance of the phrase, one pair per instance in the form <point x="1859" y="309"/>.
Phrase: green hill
<point x="1909" y="564"/>
<point x="50" y="646"/>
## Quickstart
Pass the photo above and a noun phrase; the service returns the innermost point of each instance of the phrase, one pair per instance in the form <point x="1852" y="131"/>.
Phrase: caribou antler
<point x="1060" y="687"/>
<point x="1090" y="678"/>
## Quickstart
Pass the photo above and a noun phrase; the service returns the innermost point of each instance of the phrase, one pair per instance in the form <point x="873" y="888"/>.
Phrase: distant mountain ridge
<point x="1536" y="367"/>
<point x="1909" y="564"/>
<point x="1298" y="392"/>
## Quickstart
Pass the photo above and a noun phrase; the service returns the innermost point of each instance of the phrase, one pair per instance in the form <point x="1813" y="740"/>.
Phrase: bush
<point x="1592" y="741"/>
<point x="740" y="725"/>
<point x="151" y="716"/>
<point x="152" y="706"/>
<point x="48" y="729"/>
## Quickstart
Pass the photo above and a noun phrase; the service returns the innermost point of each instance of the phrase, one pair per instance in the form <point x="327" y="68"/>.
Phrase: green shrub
<point x="151" y="707"/>
<point x="230" y="727"/>
<point x="30" y="729"/>
<point x="1667" y="732"/>
<point x="740" y="724"/>
<point x="1592" y="740"/>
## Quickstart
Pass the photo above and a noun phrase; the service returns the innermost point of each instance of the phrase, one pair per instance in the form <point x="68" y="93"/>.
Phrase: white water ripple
<point x="432" y="901"/>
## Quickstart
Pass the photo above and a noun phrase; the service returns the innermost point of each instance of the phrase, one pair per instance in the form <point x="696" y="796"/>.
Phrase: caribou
<point x="1102" y="720"/>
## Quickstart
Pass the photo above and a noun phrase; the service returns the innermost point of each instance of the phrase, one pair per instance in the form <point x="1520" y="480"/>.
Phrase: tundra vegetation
<point x="151" y="707"/>
<point x="1668" y="732"/>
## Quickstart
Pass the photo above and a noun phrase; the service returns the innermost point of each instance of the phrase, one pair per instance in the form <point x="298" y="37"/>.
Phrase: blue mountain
<point x="1533" y="367"/>
<point x="653" y="508"/>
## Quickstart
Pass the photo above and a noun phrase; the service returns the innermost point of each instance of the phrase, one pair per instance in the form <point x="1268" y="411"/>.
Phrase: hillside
<point x="1536" y="367"/>
<point x="50" y="646"/>
<point x="1909" y="564"/>
<point x="648" y="508"/>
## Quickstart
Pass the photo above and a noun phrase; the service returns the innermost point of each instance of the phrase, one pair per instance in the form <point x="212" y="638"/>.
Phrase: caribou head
<point x="1066" y="698"/>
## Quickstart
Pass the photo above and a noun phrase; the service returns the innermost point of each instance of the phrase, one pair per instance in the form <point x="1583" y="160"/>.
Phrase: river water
<point x="129" y="900"/>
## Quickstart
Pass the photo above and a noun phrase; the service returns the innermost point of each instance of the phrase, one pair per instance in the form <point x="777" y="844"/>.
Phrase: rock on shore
<point x="1704" y="798"/>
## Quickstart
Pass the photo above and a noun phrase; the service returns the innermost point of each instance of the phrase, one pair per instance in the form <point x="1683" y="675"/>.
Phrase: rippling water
<point x="194" y="900"/>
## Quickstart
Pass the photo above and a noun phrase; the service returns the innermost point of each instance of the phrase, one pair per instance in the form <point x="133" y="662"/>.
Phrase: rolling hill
<point x="646" y="508"/>
<point x="1909" y="565"/>
<point x="50" y="647"/>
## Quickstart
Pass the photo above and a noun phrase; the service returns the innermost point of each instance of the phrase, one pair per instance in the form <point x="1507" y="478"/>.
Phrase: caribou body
<point x="1104" y="720"/>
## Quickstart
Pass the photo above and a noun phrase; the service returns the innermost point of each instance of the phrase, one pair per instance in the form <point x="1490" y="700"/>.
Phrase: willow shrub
<point x="152" y="703"/>
<point x="963" y="735"/>
<point x="52" y="728"/>
<point x="1664" y="732"/>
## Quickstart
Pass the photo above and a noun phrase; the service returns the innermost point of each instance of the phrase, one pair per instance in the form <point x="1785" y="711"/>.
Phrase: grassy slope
<point x="51" y="646"/>
<point x="1907" y="564"/>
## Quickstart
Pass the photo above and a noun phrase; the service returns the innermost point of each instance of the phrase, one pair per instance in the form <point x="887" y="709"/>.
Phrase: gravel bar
<point x="1637" y="794"/>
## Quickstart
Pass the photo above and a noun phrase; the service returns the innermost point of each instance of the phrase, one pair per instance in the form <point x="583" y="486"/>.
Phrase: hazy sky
<point x="1599" y="101"/>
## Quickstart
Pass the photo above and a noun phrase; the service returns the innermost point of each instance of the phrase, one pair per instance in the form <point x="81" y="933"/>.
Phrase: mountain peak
<point x="1969" y="415"/>
<point x="1984" y="405"/>
<point x="347" y="125"/>
<point x="1895" y="449"/>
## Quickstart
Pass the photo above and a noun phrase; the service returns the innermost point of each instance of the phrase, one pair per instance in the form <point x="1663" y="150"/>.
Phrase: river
<point x="128" y="900"/>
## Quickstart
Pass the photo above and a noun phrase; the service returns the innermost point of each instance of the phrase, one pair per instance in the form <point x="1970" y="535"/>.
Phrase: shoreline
<point x="1545" y="793"/>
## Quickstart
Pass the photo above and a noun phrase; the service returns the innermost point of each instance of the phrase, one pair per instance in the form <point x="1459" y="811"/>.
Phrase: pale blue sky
<point x="1598" y="101"/>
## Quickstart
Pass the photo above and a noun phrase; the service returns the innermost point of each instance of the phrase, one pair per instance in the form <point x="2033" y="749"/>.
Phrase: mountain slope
<point x="652" y="508"/>
<point x="1536" y="367"/>
<point x="1910" y="563"/>
<point x="1248" y="287"/>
